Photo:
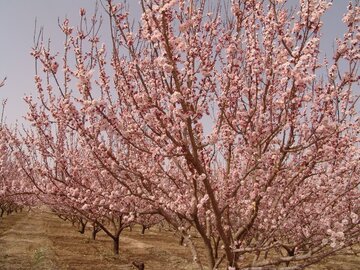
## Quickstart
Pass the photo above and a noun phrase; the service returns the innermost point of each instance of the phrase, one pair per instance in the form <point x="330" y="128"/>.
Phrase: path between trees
<point x="24" y="243"/>
<point x="40" y="240"/>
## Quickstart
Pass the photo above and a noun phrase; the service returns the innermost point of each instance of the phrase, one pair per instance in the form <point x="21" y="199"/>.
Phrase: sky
<point x="17" y="24"/>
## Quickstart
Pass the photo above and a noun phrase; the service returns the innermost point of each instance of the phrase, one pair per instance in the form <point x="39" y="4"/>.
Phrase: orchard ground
<point x="38" y="239"/>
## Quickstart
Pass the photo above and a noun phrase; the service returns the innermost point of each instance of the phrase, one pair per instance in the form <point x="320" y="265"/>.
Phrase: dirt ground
<point x="40" y="240"/>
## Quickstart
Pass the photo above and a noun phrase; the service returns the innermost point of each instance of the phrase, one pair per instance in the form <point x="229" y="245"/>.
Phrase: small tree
<point x="14" y="192"/>
<point x="66" y="180"/>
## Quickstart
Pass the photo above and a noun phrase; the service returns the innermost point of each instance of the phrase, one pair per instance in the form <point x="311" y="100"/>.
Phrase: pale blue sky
<point x="17" y="19"/>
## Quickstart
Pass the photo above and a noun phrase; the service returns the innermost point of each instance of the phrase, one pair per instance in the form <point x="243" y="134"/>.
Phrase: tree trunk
<point x="82" y="226"/>
<point x="143" y="229"/>
<point x="216" y="247"/>
<point x="115" y="237"/>
<point x="290" y="252"/>
<point x="95" y="230"/>
<point x="181" y="242"/>
<point x="116" y="245"/>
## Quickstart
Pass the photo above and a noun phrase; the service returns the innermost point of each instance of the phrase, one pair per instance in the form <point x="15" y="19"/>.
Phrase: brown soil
<point x="40" y="240"/>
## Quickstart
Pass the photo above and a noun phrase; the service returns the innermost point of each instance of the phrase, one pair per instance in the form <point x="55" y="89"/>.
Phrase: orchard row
<point x="228" y="123"/>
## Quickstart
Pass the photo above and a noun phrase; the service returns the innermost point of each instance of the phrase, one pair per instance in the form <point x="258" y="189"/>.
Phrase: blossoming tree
<point x="14" y="191"/>
<point x="224" y="119"/>
<point x="57" y="163"/>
